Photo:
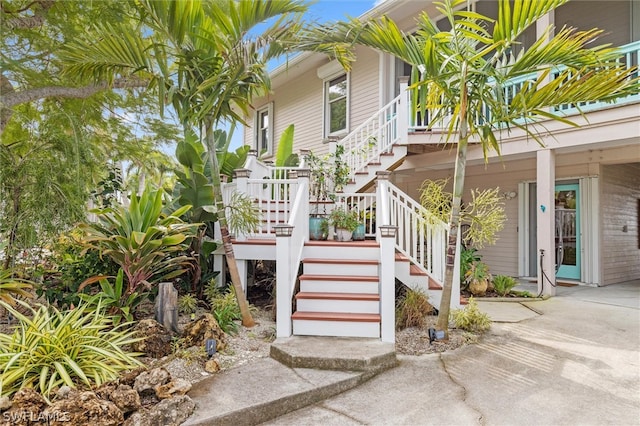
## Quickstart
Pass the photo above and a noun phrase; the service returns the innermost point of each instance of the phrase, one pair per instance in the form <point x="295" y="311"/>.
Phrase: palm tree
<point x="200" y="57"/>
<point x="461" y="74"/>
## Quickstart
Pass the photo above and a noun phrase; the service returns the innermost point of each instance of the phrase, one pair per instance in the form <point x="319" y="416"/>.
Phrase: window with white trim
<point x="263" y="130"/>
<point x="336" y="105"/>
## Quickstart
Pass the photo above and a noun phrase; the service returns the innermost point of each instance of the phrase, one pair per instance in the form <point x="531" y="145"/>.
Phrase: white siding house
<point x="587" y="177"/>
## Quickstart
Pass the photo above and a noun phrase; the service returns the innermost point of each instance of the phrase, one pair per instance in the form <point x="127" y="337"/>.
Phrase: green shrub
<point x="187" y="304"/>
<point x="225" y="309"/>
<point x="412" y="308"/>
<point x="52" y="348"/>
<point x="112" y="298"/>
<point x="503" y="284"/>
<point x="147" y="243"/>
<point x="11" y="287"/>
<point x="471" y="318"/>
<point x="74" y="264"/>
<point x="468" y="257"/>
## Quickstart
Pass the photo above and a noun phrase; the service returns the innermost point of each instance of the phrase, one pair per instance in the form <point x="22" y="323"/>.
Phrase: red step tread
<point x="434" y="285"/>
<point x="335" y="316"/>
<point x="401" y="257"/>
<point x="338" y="296"/>
<point x="258" y="242"/>
<point x="355" y="278"/>
<point x="341" y="261"/>
<point x="414" y="270"/>
<point x="329" y="243"/>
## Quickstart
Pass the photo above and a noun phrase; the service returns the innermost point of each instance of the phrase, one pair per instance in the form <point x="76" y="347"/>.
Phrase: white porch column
<point x="283" y="280"/>
<point x="546" y="219"/>
<point x="387" y="238"/>
<point x="403" y="112"/>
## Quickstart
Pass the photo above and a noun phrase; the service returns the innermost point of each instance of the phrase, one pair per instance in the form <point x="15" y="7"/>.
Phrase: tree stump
<point x="167" y="307"/>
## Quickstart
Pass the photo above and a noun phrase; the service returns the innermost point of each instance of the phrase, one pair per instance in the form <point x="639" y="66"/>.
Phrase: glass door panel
<point x="567" y="232"/>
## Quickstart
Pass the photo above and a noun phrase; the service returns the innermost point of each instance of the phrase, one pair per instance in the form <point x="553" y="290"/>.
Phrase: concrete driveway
<point x="571" y="360"/>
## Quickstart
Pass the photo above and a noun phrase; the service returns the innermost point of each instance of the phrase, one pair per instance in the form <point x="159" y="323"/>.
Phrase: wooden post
<point x="167" y="307"/>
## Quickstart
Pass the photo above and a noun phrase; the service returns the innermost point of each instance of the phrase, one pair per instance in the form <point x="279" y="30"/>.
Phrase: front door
<point x="568" y="231"/>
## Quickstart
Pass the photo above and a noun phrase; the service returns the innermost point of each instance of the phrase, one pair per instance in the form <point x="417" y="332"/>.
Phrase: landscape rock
<point x="26" y="405"/>
<point x="125" y="398"/>
<point x="169" y="412"/>
<point x="212" y="366"/>
<point x="5" y="403"/>
<point x="176" y="387"/>
<point x="156" y="341"/>
<point x="206" y="327"/>
<point x="83" y="408"/>
<point x="151" y="379"/>
<point x="63" y="392"/>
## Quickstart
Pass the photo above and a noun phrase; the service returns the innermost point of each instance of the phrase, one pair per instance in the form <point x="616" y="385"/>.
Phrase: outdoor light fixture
<point x="303" y="173"/>
<point x="210" y="347"/>
<point x="387" y="230"/>
<point x="283" y="230"/>
<point x="509" y="195"/>
<point x="435" y="335"/>
<point x="242" y="173"/>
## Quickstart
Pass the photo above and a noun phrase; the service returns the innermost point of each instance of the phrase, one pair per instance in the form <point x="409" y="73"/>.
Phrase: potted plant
<point x="319" y="195"/>
<point x="477" y="278"/>
<point x="345" y="222"/>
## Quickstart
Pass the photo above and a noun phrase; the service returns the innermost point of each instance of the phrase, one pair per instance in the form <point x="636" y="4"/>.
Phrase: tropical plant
<point x="470" y="318"/>
<point x="225" y="309"/>
<point x="208" y="59"/>
<point x="72" y="264"/>
<point x="142" y="240"/>
<point x="477" y="278"/>
<point x="412" y="309"/>
<point x="468" y="257"/>
<point x="458" y="75"/>
<point x="12" y="288"/>
<point x="284" y="154"/>
<point x="52" y="348"/>
<point x="112" y="298"/>
<point x="343" y="218"/>
<point x="503" y="284"/>
<point x="187" y="303"/>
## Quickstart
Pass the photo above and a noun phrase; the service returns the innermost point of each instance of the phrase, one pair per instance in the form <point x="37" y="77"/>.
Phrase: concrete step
<point x="339" y="283"/>
<point x="336" y="324"/>
<point x="333" y="353"/>
<point x="364" y="303"/>
<point x="352" y="267"/>
<point x="269" y="390"/>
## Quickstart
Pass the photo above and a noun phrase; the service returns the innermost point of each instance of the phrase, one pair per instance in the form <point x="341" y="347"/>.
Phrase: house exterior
<point x="576" y="198"/>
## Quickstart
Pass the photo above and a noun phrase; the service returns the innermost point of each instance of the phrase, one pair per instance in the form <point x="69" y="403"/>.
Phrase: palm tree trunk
<point x="454" y="223"/>
<point x="247" y="319"/>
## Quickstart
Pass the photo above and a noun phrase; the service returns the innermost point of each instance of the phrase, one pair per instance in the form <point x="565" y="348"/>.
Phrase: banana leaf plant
<point x="148" y="244"/>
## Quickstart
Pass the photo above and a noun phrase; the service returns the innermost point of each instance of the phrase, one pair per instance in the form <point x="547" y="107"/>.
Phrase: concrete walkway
<point x="573" y="359"/>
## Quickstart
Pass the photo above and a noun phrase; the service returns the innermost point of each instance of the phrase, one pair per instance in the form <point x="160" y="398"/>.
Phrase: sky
<point x="322" y="11"/>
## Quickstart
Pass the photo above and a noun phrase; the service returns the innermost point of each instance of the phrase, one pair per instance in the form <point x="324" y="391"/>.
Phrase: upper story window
<point x="336" y="105"/>
<point x="263" y="130"/>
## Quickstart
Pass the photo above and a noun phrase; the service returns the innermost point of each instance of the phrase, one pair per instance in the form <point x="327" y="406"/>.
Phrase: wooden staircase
<point x="339" y="297"/>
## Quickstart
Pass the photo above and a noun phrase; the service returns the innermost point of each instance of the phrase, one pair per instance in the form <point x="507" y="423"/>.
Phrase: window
<point x="336" y="105"/>
<point x="263" y="130"/>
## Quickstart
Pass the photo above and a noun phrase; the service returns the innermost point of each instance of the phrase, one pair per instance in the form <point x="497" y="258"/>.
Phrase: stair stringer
<point x="422" y="281"/>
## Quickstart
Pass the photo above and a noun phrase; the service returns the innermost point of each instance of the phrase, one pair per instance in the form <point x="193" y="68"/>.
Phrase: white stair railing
<point x="274" y="197"/>
<point x="421" y="236"/>
<point x="376" y="135"/>
<point x="364" y="204"/>
<point x="290" y="239"/>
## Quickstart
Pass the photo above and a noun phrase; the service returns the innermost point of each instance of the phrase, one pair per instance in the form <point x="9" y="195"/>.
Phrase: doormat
<point x="565" y="284"/>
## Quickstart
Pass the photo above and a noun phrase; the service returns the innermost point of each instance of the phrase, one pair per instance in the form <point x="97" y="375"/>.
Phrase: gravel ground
<point x="252" y="343"/>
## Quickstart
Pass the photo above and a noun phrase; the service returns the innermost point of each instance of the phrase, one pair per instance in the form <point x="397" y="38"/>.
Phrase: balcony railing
<point x="630" y="57"/>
